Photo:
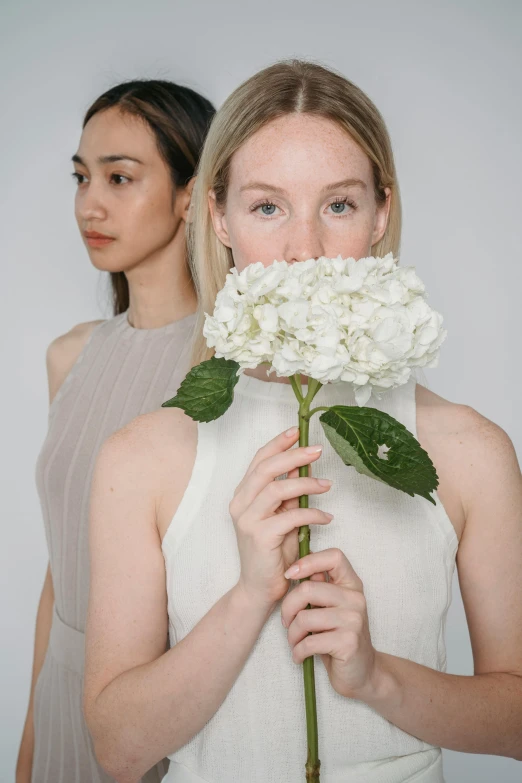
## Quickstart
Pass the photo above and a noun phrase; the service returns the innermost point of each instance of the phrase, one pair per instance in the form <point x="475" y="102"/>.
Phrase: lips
<point x="95" y="239"/>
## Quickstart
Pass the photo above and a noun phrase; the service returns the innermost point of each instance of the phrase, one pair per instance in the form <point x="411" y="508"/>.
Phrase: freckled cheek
<point x="251" y="243"/>
<point x="249" y="246"/>
<point x="353" y="239"/>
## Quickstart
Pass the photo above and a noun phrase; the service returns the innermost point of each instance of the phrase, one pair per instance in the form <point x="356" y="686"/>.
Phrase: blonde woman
<point x="298" y="164"/>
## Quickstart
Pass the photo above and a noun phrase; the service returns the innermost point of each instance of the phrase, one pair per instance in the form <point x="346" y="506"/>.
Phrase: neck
<point x="160" y="287"/>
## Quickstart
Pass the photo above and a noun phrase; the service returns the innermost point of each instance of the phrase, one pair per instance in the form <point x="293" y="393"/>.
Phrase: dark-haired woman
<point x="134" y="167"/>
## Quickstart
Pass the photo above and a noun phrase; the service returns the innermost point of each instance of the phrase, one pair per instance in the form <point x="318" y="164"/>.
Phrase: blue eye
<point x="340" y="206"/>
<point x="268" y="208"/>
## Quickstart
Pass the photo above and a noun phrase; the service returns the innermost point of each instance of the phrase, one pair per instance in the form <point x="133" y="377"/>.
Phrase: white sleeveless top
<point x="403" y="548"/>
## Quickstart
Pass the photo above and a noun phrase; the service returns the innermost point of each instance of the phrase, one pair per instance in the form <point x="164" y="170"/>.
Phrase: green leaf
<point x="208" y="390"/>
<point x="356" y="433"/>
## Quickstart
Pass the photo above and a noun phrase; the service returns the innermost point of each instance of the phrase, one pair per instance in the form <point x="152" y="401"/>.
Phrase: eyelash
<point x="76" y="175"/>
<point x="343" y="200"/>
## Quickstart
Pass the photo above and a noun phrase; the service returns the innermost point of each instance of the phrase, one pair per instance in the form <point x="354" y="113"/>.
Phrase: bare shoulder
<point x="465" y="447"/>
<point x="157" y="450"/>
<point x="63" y="352"/>
<point x="439" y="416"/>
<point x="151" y="441"/>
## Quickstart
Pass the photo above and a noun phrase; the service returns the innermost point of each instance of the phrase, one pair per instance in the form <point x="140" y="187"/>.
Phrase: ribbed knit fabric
<point x="403" y="548"/>
<point x="121" y="373"/>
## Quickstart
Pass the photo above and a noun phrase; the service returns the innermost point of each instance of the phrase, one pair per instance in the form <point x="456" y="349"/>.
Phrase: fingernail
<point x="313" y="449"/>
<point x="292" y="571"/>
<point x="330" y="516"/>
<point x="291" y="432"/>
<point x="325" y="482"/>
<point x="283" y="621"/>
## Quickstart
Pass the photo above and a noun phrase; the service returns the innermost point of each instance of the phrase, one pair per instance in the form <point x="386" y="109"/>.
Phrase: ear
<point x="218" y="219"/>
<point x="183" y="199"/>
<point x="381" y="218"/>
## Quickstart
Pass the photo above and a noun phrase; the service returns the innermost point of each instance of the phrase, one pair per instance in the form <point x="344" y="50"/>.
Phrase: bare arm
<point x="142" y="703"/>
<point x="43" y="627"/>
<point x="481" y="713"/>
<point x="61" y="355"/>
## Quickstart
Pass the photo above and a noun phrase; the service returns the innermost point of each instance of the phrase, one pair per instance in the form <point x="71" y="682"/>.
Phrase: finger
<point x="293" y="502"/>
<point x="282" y="442"/>
<point x="332" y="561"/>
<point x="327" y="643"/>
<point x="319" y="594"/>
<point x="267" y="470"/>
<point x="270" y="498"/>
<point x="313" y="621"/>
<point x="318" y="577"/>
<point x="278" y="526"/>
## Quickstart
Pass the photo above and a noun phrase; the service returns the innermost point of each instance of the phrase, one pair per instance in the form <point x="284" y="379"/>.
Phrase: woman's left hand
<point x="338" y="620"/>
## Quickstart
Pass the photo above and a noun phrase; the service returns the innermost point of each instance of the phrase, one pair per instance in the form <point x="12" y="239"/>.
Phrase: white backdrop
<point x="447" y="77"/>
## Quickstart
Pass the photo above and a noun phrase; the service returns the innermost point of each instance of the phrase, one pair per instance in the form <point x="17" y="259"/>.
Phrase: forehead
<point x="112" y="131"/>
<point x="298" y="150"/>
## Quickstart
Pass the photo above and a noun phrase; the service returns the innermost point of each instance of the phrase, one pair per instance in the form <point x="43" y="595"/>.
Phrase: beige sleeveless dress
<point x="121" y="373"/>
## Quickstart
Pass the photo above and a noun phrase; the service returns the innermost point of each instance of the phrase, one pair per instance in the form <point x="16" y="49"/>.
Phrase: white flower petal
<point x="365" y="321"/>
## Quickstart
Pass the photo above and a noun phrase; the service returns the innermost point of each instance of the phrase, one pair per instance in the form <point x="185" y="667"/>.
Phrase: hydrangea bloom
<point x="333" y="319"/>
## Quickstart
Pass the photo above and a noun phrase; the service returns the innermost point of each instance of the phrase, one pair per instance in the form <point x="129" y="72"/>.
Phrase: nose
<point x="90" y="204"/>
<point x="304" y="241"/>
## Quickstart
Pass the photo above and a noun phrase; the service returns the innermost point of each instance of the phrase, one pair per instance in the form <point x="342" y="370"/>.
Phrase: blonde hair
<point x="286" y="87"/>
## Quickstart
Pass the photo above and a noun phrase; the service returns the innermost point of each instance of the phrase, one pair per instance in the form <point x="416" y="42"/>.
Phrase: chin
<point x="103" y="264"/>
<point x="105" y="259"/>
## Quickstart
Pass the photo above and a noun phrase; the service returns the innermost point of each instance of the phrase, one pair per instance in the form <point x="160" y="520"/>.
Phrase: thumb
<point x="335" y="563"/>
<point x="321" y="577"/>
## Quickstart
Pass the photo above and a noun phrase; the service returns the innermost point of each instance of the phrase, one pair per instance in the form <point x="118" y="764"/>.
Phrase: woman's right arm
<point x="61" y="355"/>
<point x="142" y="703"/>
<point x="24" y="763"/>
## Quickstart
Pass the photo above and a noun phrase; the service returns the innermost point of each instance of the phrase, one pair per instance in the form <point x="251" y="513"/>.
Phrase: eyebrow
<point x="344" y="183"/>
<point x="107" y="159"/>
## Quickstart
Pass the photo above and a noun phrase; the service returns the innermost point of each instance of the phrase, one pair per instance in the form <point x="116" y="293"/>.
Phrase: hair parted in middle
<point x="286" y="87"/>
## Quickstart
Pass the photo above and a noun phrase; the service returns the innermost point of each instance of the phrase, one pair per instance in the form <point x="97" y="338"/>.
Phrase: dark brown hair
<point x="179" y="118"/>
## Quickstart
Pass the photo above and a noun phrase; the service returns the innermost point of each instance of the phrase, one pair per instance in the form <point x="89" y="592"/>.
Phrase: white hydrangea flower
<point x="363" y="321"/>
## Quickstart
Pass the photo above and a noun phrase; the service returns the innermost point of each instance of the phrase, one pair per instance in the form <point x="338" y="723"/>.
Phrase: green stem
<point x="295" y="380"/>
<point x="312" y="764"/>
<point x="314" y="410"/>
